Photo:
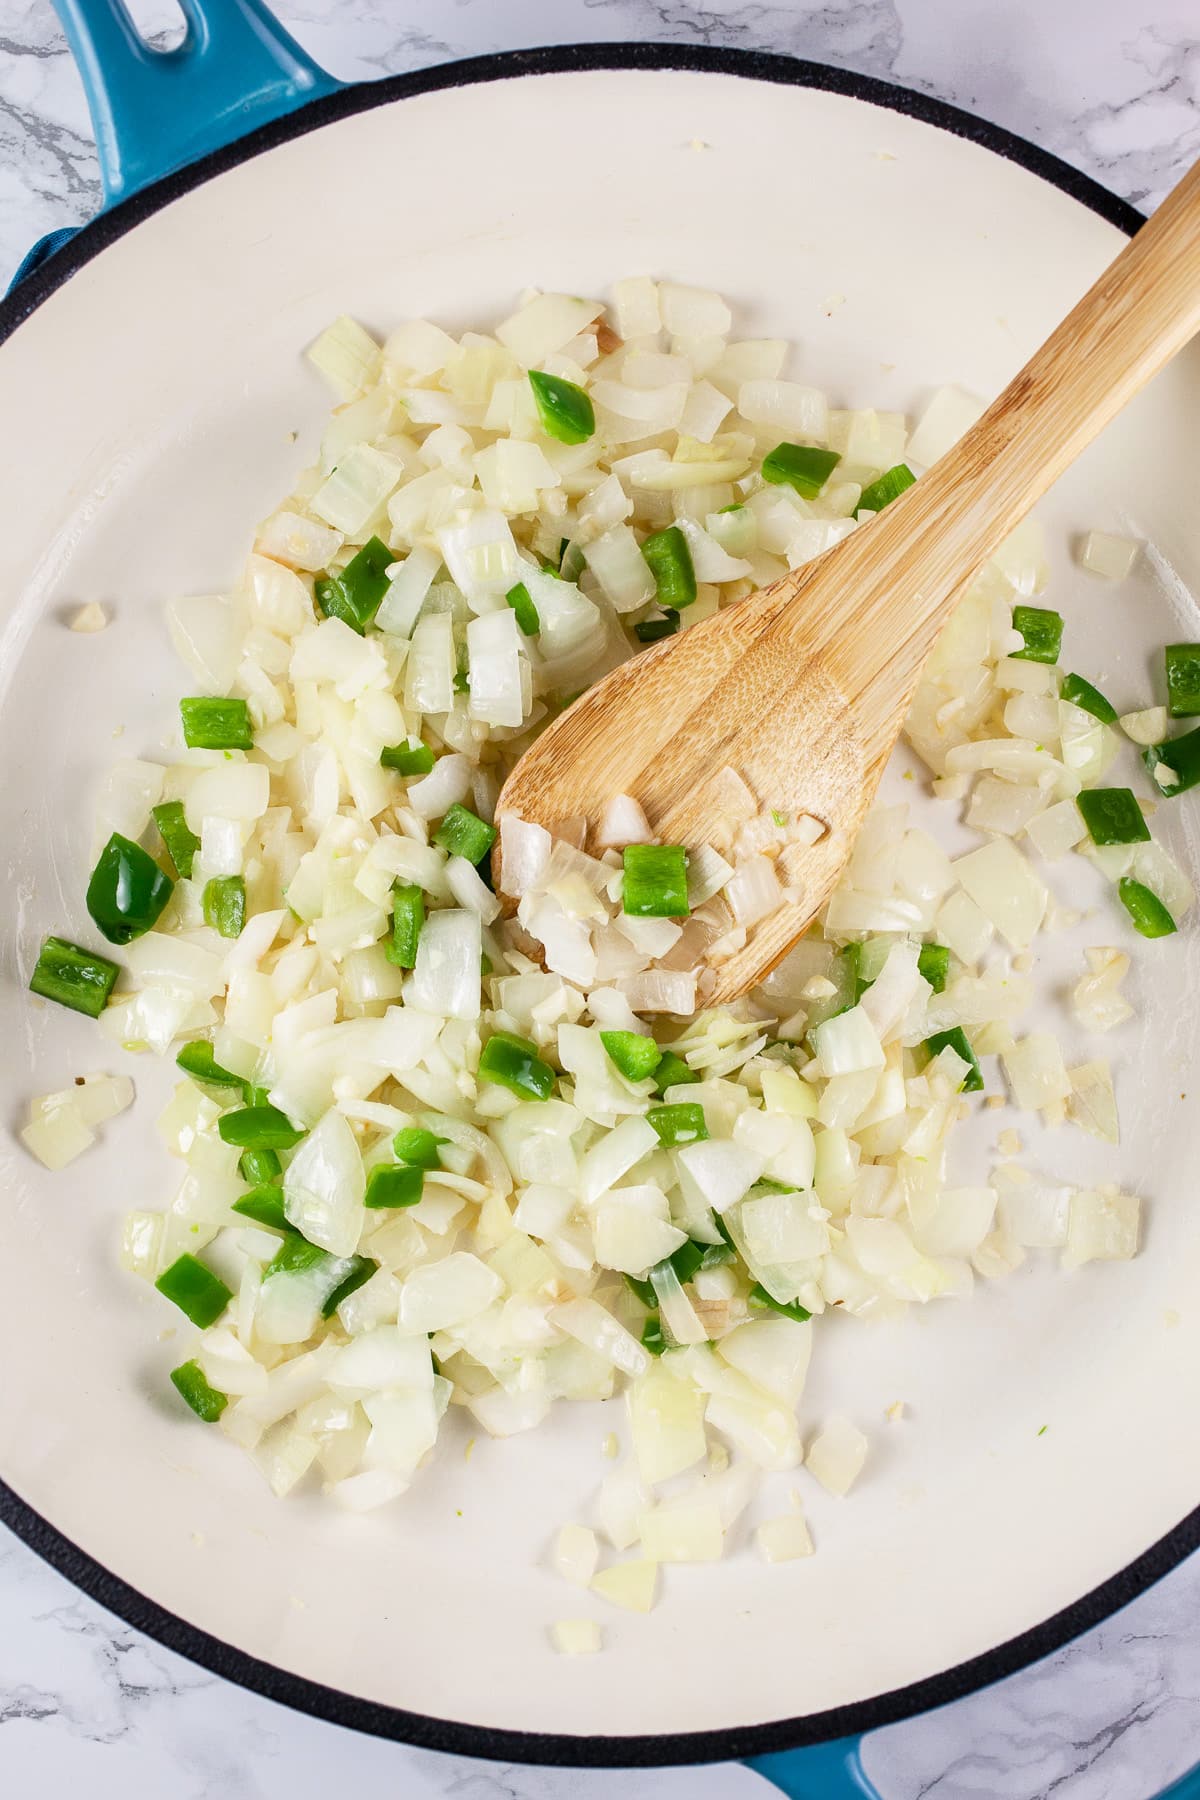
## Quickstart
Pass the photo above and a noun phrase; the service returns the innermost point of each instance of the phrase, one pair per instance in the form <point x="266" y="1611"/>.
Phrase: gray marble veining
<point x="88" y="1705"/>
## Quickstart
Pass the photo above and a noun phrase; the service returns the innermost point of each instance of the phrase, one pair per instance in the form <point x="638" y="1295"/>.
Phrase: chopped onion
<point x="837" y="1454"/>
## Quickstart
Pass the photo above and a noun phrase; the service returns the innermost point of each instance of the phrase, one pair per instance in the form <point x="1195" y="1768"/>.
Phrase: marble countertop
<point x="88" y="1704"/>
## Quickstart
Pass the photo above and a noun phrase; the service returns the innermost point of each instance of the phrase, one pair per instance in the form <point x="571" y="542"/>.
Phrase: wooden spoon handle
<point x="903" y="575"/>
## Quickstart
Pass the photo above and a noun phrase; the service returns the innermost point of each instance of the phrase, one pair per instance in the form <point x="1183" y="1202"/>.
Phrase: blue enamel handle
<point x="155" y="111"/>
<point x="830" y="1771"/>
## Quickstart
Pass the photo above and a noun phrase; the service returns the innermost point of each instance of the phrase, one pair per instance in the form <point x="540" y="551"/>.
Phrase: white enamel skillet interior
<point x="149" y="403"/>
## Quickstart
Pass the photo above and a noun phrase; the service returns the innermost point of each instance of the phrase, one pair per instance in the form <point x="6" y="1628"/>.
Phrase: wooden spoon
<point x="802" y="687"/>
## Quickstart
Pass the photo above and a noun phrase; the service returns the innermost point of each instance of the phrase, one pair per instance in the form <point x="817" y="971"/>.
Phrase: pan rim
<point x="332" y="1705"/>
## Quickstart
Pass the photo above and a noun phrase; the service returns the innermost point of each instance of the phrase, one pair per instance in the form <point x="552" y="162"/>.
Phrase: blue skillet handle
<point x="154" y="111"/>
<point x="831" y="1771"/>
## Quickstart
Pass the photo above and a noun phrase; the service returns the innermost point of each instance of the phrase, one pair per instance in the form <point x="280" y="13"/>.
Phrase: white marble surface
<point x="87" y="1704"/>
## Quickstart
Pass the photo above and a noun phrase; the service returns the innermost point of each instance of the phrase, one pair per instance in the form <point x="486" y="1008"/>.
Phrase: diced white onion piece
<point x="948" y="415"/>
<point x="837" y="1454"/>
<point x="631" y="1585"/>
<point x="783" y="1228"/>
<point x="418" y="348"/>
<point x="323" y="1187"/>
<point x="447" y="979"/>
<point x="357" y="488"/>
<point x="494" y="668"/>
<point x="430" y="669"/>
<point x="783" y="1539"/>
<point x="592" y="1324"/>
<point x="692" y="312"/>
<point x="1057" y="830"/>
<point x="347" y="355"/>
<point x="1103" y="554"/>
<point x="290" y="538"/>
<point x="1092" y="1103"/>
<point x="447" y="1293"/>
<point x="206" y="632"/>
<point x="447" y="784"/>
<point x="753" y="890"/>
<point x="1036" y="1071"/>
<point x="964" y="927"/>
<point x="847" y="1043"/>
<point x="623" y="822"/>
<point x="666" y="1417"/>
<point x="614" y="1156"/>
<point x="785" y="406"/>
<point x="471" y="890"/>
<point x="513" y="475"/>
<point x="629" y="1239"/>
<point x="773" y="1353"/>
<point x="575" y="1554"/>
<point x="1004" y="886"/>
<point x="687" y="1529"/>
<point x="1103" y="1227"/>
<point x="524" y="855"/>
<point x="661" y="991"/>
<point x="718" y="1174"/>
<point x="504" y="1414"/>
<point x="576" y="1637"/>
<point x="1096" y="997"/>
<point x="544" y="324"/>
<point x="57" y="1137"/>
<point x="1147" y="727"/>
<point x="401" y="606"/>
<point x="616" y="561"/>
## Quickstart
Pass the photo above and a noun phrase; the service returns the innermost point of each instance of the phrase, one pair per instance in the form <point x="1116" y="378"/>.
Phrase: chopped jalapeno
<point x="389" y="1184"/>
<point x="1150" y="917"/>
<point x="195" y="1290"/>
<point x="259" y="1128"/>
<point x="205" y="1401"/>
<point x="933" y="963"/>
<point x="1042" y="631"/>
<point x="127" y="891"/>
<point x="565" y="412"/>
<point x="521" y="601"/>
<point x="408" y="920"/>
<point x="265" y="1206"/>
<point x="877" y="494"/>
<point x="683" y="1123"/>
<point x="179" y="839"/>
<point x="224" y="904"/>
<point x="791" y="1309"/>
<point x="409" y="759"/>
<point x="513" y="1062"/>
<point x="655" y="881"/>
<point x="354" y="594"/>
<point x="1113" y="816"/>
<point x="670" y="563"/>
<point x="418" y="1147"/>
<point x="652" y="631"/>
<point x="216" y="724"/>
<point x="636" y="1056"/>
<point x="73" y="977"/>
<point x="1081" y="693"/>
<point x="800" y="466"/>
<point x="1183" y="679"/>
<point x="461" y="833"/>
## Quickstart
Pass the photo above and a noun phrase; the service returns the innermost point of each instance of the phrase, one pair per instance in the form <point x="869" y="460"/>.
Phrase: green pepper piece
<point x="128" y="891"/>
<point x="354" y="594"/>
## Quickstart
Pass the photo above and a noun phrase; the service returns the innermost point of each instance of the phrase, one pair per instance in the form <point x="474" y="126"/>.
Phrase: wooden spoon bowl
<point x="801" y="688"/>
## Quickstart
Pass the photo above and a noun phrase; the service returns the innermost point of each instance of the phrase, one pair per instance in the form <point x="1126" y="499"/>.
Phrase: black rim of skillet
<point x="423" y="1729"/>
